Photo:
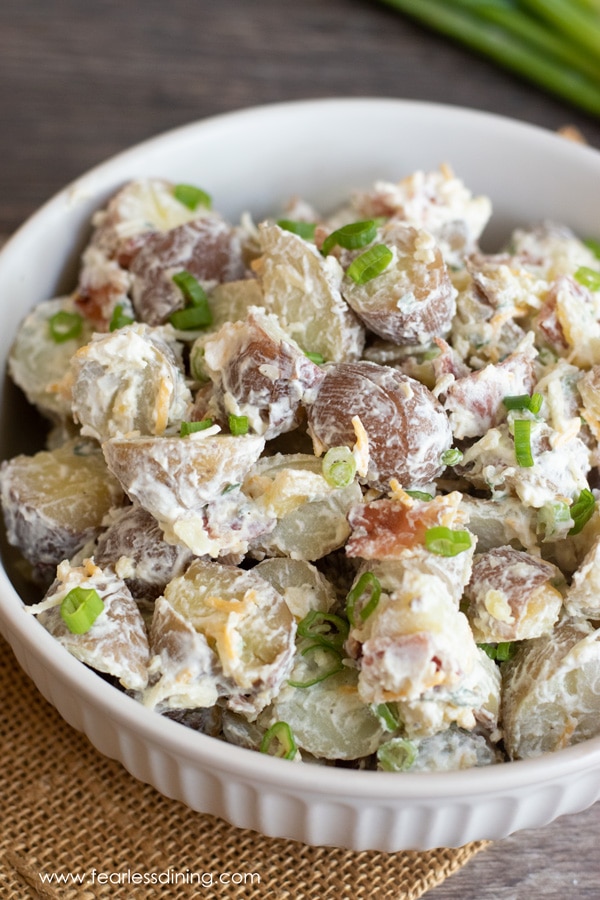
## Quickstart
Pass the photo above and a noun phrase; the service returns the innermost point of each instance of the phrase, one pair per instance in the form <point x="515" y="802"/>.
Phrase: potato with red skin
<point x="259" y="372"/>
<point x="511" y="595"/>
<point x="406" y="427"/>
<point x="135" y="547"/>
<point x="413" y="300"/>
<point x="208" y="247"/>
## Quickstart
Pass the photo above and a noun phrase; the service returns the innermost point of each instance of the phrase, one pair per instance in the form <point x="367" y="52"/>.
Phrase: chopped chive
<point x="419" y="495"/>
<point x="523" y="443"/>
<point x="370" y="264"/>
<point x="446" y="542"/>
<point x="64" y="326"/>
<point x="351" y="237"/>
<point x="367" y="588"/>
<point x="397" y="755"/>
<point x="339" y="467"/>
<point x="317" y="358"/>
<point x="335" y="665"/>
<point x="119" y="319"/>
<point x="80" y="608"/>
<point x="196" y="313"/>
<point x="513" y="44"/>
<point x="326" y="629"/>
<point x="388" y="713"/>
<point x="231" y="487"/>
<point x="238" y="424"/>
<point x="593" y="245"/>
<point x="551" y="516"/>
<point x="189" y="319"/>
<point x="524" y="401"/>
<point x="451" y="457"/>
<point x="192" y="427"/>
<point x="501" y="652"/>
<point x="190" y="287"/>
<point x="304" y="230"/>
<point x="279" y="741"/>
<point x="582" y="510"/>
<point x="192" y="196"/>
<point x="589" y="278"/>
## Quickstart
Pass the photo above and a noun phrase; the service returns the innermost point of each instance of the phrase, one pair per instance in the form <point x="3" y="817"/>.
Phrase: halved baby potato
<point x="54" y="502"/>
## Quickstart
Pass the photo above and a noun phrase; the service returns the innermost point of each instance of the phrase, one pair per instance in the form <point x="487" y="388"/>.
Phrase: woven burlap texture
<point x="65" y="810"/>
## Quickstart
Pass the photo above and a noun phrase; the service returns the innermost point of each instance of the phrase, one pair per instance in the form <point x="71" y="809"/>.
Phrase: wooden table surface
<point x="80" y="81"/>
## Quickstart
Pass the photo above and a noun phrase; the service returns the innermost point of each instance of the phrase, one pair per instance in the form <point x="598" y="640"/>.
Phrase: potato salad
<point x="323" y="486"/>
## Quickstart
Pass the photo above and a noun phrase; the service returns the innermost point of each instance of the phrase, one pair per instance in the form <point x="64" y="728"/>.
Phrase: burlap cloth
<point x="66" y="810"/>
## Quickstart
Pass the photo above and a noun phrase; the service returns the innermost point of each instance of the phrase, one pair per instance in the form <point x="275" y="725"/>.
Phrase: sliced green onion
<point x="388" y="713"/>
<point x="192" y="290"/>
<point x="554" y="520"/>
<point x="192" y="196"/>
<point x="367" y="586"/>
<point x="524" y="401"/>
<point x="189" y="319"/>
<point x="325" y="629"/>
<point x="238" y="424"/>
<point x="593" y="245"/>
<point x="80" y="608"/>
<point x="520" y="44"/>
<point x="397" y="755"/>
<point x="523" y="443"/>
<point x="446" y="542"/>
<point x="65" y="325"/>
<point x="317" y="358"/>
<point x="419" y="495"/>
<point x="231" y="487"/>
<point x="339" y="467"/>
<point x="452" y="456"/>
<point x="500" y="652"/>
<point x="589" y="278"/>
<point x="304" y="230"/>
<point x="191" y="427"/>
<point x="370" y="264"/>
<point x="351" y="237"/>
<point x="119" y="319"/>
<point x="334" y="665"/>
<point x="279" y="741"/>
<point x="582" y="510"/>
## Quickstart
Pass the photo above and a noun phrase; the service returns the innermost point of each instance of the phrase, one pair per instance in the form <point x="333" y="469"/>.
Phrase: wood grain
<point x="81" y="81"/>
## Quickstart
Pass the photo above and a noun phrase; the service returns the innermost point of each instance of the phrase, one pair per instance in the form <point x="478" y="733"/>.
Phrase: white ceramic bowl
<point x="253" y="160"/>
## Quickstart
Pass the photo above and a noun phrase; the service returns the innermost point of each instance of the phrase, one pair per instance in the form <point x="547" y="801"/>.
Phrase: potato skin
<point x="208" y="248"/>
<point x="260" y="372"/>
<point x="406" y="426"/>
<point x="413" y="300"/>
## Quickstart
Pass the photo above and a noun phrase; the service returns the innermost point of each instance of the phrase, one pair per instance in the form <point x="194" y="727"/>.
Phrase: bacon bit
<point x="386" y="529"/>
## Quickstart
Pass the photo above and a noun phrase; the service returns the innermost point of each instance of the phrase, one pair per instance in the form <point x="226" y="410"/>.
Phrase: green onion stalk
<point x="553" y="43"/>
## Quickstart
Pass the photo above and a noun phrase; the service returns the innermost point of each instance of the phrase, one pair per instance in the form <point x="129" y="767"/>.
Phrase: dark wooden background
<point x="80" y="81"/>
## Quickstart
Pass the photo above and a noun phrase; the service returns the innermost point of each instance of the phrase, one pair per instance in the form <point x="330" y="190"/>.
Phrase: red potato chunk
<point x="134" y="546"/>
<point x="54" y="503"/>
<point x="413" y="300"/>
<point x="407" y="428"/>
<point x="128" y="381"/>
<point x="259" y="372"/>
<point x="475" y="401"/>
<point x="139" y="208"/>
<point x="181" y="483"/>
<point x="302" y="288"/>
<point x="511" y="595"/>
<point x="209" y="248"/>
<point x="117" y="642"/>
